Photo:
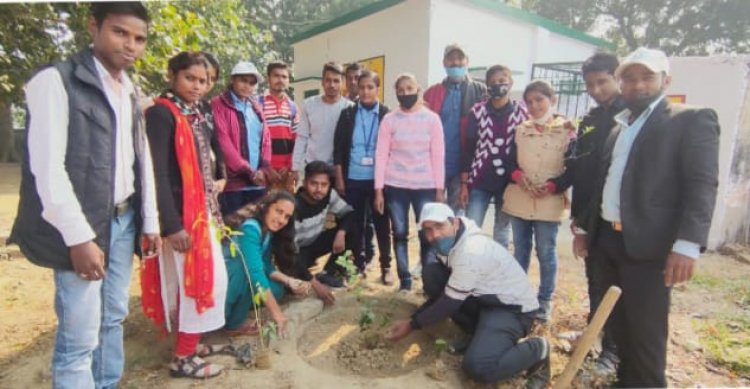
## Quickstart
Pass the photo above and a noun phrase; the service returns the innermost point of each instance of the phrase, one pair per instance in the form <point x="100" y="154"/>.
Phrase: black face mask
<point x="497" y="91"/>
<point x="407" y="101"/>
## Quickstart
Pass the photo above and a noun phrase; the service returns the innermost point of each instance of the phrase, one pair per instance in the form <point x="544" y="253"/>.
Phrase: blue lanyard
<point x="367" y="136"/>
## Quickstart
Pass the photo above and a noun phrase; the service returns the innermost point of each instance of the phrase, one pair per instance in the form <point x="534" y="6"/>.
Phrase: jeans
<point x="88" y="349"/>
<point x="479" y="201"/>
<point x="398" y="201"/>
<point x="453" y="189"/>
<point x="545" y="235"/>
<point x="323" y="245"/>
<point x="360" y="195"/>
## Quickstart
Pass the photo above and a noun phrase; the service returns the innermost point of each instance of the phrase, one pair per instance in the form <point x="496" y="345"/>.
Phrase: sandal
<point x="193" y="367"/>
<point x="248" y="328"/>
<point x="206" y="350"/>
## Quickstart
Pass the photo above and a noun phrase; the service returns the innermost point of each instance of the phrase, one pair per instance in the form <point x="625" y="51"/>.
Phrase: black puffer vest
<point x="89" y="163"/>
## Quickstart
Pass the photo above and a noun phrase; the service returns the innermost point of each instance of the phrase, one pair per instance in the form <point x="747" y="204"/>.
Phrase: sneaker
<point x="539" y="374"/>
<point x="386" y="276"/>
<point x="544" y="314"/>
<point x="330" y="280"/>
<point x="606" y="364"/>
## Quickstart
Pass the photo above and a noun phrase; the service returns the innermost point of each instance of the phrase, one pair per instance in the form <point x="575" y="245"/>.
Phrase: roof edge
<point x="544" y="22"/>
<point x="345" y="19"/>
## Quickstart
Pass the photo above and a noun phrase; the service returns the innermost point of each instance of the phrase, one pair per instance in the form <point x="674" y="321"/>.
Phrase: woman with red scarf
<point x="186" y="291"/>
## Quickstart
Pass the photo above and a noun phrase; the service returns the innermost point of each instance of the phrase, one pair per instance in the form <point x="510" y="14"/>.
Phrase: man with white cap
<point x="651" y="218"/>
<point x="243" y="136"/>
<point x="483" y="289"/>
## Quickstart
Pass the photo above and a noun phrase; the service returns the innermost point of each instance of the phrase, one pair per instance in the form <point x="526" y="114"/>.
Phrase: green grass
<point x="726" y="342"/>
<point x="707" y="281"/>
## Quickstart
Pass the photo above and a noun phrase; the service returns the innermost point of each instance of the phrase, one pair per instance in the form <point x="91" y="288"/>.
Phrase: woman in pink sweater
<point x="409" y="167"/>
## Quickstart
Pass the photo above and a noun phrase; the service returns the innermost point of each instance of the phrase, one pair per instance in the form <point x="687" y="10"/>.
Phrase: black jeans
<point x="494" y="352"/>
<point x="596" y="293"/>
<point x="308" y="255"/>
<point x="640" y="319"/>
<point x="360" y="194"/>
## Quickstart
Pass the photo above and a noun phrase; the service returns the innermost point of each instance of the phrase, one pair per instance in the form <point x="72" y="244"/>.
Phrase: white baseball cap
<point x="247" y="68"/>
<point x="654" y="60"/>
<point x="435" y="212"/>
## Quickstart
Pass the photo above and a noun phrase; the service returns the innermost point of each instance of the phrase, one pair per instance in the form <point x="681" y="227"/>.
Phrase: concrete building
<point x="395" y="36"/>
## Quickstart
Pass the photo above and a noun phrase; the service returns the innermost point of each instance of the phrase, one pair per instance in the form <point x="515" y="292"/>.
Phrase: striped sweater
<point x="312" y="219"/>
<point x="410" y="153"/>
<point x="282" y="120"/>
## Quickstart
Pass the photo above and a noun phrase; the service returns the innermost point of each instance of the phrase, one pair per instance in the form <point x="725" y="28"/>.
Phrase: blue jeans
<point x="479" y="201"/>
<point x="398" y="201"/>
<point x="88" y="346"/>
<point x="545" y="235"/>
<point x="452" y="189"/>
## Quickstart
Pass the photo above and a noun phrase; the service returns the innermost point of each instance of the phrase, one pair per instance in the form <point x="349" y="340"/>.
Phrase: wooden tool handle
<point x="587" y="339"/>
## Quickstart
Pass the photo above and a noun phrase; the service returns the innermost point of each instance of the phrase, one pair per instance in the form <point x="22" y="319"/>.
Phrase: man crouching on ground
<point x="483" y="289"/>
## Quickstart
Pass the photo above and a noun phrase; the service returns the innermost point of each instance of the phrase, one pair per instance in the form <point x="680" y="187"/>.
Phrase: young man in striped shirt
<point x="281" y="115"/>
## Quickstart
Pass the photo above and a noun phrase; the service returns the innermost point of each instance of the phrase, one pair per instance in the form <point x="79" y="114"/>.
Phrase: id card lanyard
<point x="368" y="135"/>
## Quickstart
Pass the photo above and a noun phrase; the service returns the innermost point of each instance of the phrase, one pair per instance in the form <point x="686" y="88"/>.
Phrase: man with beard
<point x="651" y="217"/>
<point x="321" y="220"/>
<point x="318" y="120"/>
<point x="601" y="84"/>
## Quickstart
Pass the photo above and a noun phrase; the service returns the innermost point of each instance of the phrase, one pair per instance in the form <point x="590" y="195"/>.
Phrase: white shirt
<point x="48" y="140"/>
<point x="315" y="132"/>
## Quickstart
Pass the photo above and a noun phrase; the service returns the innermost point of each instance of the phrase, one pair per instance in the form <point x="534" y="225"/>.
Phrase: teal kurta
<point x="256" y="249"/>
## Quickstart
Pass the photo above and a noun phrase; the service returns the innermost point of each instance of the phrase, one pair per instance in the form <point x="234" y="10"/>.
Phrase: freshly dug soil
<point x="335" y="343"/>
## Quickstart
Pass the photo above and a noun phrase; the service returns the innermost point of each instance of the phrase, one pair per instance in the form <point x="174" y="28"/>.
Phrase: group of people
<point x="205" y="191"/>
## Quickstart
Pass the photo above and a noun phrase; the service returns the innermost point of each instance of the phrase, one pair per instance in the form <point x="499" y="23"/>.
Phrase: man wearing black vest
<point x="87" y="190"/>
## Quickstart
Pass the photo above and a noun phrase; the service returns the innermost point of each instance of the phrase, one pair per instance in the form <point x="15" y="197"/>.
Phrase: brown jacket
<point x="541" y="155"/>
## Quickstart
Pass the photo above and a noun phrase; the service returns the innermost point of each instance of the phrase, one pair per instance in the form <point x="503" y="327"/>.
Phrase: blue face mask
<point x="456" y="72"/>
<point x="444" y="245"/>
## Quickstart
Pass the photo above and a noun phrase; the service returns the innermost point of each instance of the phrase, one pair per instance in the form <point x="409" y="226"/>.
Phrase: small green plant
<point x="269" y="333"/>
<point x="367" y="316"/>
<point x="441" y="346"/>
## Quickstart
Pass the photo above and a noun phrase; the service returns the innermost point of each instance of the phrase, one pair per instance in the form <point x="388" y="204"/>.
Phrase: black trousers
<point x="360" y="194"/>
<point x="596" y="293"/>
<point x="640" y="319"/>
<point x="323" y="245"/>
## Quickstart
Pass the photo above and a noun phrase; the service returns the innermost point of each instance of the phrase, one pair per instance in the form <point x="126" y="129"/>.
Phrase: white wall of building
<point x="722" y="83"/>
<point x="399" y="33"/>
<point x="490" y="38"/>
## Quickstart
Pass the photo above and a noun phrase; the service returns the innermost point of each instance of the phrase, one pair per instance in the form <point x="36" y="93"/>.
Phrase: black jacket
<point x="669" y="184"/>
<point x="592" y="133"/>
<point x="89" y="164"/>
<point x="342" y="139"/>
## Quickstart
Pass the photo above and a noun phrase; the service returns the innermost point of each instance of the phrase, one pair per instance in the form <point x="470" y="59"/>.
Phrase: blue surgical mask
<point x="444" y="245"/>
<point x="455" y="72"/>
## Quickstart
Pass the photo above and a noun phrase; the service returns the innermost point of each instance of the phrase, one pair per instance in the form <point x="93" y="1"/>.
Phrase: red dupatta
<point x="198" y="269"/>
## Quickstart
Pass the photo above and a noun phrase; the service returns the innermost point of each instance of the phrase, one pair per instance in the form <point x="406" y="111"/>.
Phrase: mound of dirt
<point x="335" y="342"/>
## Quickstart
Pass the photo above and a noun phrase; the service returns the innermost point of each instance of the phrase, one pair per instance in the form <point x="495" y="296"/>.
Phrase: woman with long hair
<point x="192" y="280"/>
<point x="409" y="168"/>
<point x="261" y="262"/>
<point x="536" y="199"/>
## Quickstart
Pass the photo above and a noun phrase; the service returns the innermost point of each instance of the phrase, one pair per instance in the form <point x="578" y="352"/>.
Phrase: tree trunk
<point x="7" y="143"/>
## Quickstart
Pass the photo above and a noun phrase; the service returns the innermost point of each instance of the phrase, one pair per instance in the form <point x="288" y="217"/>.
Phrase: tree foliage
<point x="287" y="18"/>
<point x="679" y="27"/>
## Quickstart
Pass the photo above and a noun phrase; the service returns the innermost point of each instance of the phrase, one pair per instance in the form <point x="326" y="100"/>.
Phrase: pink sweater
<point x="410" y="153"/>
